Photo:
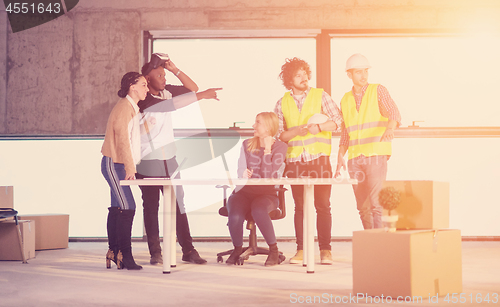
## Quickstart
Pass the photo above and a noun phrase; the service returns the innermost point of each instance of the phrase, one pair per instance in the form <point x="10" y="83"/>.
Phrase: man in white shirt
<point x="158" y="149"/>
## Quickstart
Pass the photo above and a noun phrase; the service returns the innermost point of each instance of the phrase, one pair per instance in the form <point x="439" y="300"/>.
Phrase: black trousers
<point x="319" y="168"/>
<point x="151" y="203"/>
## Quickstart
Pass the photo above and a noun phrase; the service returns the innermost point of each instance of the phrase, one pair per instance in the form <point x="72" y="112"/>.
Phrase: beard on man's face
<point x="302" y="86"/>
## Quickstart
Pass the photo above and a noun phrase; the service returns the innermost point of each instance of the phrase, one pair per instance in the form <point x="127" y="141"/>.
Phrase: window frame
<point x="323" y="39"/>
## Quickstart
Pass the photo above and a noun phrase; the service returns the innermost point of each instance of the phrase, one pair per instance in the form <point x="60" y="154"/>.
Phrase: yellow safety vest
<point x="313" y="144"/>
<point x="365" y="127"/>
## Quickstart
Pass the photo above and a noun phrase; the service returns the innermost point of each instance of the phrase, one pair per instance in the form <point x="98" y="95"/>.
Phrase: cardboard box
<point x="407" y="263"/>
<point x="51" y="230"/>
<point x="424" y="204"/>
<point x="7" y="197"/>
<point x="9" y="240"/>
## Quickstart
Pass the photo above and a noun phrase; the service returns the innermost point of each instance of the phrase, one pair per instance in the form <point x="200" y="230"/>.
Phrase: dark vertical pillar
<point x="3" y="69"/>
<point x="147" y="47"/>
<point x="323" y="64"/>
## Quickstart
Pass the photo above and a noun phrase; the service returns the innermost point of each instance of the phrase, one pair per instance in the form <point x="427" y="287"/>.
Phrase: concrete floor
<point x="77" y="276"/>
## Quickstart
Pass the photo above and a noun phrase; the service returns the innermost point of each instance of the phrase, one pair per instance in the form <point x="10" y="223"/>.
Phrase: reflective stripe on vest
<point x="366" y="127"/>
<point x="313" y="144"/>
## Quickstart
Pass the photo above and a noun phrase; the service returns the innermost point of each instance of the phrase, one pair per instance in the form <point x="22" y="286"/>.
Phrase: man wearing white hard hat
<point x="307" y="116"/>
<point x="370" y="117"/>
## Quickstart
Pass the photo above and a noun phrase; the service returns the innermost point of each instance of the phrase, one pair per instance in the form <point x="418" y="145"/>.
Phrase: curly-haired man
<point x="309" y="147"/>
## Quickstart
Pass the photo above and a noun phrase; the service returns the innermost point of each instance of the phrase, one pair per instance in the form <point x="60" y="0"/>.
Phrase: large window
<point x="443" y="81"/>
<point x="247" y="70"/>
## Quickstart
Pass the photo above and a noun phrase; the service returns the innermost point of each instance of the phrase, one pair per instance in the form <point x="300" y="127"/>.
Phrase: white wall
<point x="63" y="176"/>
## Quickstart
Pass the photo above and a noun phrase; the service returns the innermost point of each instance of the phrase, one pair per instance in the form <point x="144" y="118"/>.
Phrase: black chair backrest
<point x="280" y="212"/>
<point x="6" y="213"/>
<point x="223" y="209"/>
<point x="276" y="214"/>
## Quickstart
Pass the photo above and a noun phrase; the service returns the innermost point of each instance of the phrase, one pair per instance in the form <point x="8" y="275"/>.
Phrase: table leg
<point x="309" y="227"/>
<point x="167" y="228"/>
<point x="173" y="233"/>
<point x="305" y="229"/>
<point x="20" y="240"/>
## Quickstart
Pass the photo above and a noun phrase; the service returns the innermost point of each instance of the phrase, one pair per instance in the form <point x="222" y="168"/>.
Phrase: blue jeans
<point x="370" y="173"/>
<point x="241" y="204"/>
<point x="121" y="196"/>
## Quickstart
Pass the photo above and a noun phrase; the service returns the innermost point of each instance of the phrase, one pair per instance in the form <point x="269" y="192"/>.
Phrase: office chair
<point x="252" y="249"/>
<point x="7" y="214"/>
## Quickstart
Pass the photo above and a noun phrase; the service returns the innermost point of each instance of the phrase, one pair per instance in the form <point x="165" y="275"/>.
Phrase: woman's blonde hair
<point x="271" y="122"/>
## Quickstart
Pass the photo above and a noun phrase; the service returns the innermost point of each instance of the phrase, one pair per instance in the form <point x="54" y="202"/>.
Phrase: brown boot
<point x="273" y="258"/>
<point x="234" y="258"/>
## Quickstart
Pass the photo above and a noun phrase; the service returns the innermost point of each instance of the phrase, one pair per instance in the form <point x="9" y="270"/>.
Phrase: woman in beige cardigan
<point x="121" y="152"/>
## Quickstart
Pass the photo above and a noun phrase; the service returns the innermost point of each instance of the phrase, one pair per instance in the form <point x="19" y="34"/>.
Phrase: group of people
<point x="139" y="143"/>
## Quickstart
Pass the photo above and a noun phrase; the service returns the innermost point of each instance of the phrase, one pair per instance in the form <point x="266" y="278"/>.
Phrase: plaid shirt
<point x="328" y="107"/>
<point x="386" y="106"/>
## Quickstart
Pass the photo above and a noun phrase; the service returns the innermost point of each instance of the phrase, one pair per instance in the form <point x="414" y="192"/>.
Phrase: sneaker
<point x="298" y="258"/>
<point x="193" y="257"/>
<point x="326" y="257"/>
<point x="156" y="259"/>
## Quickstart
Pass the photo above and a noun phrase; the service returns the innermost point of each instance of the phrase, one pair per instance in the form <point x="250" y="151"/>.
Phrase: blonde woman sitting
<point x="261" y="157"/>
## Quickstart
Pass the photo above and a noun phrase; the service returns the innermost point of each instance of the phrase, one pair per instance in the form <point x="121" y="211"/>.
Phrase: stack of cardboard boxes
<point x="422" y="259"/>
<point x="38" y="232"/>
<point x="10" y="249"/>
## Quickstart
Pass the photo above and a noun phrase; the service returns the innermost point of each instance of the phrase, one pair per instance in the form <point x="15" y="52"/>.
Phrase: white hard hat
<point x="317" y="118"/>
<point x="357" y="61"/>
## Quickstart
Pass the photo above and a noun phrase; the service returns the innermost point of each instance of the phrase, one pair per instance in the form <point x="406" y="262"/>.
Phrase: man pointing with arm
<point x="158" y="149"/>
